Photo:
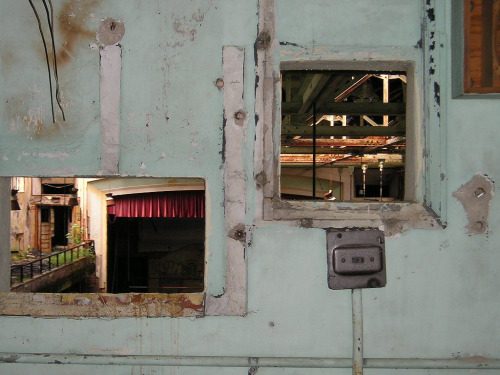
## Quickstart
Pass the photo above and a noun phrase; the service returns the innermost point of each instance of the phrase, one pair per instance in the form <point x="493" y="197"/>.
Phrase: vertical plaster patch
<point x="476" y="197"/>
<point x="233" y="301"/>
<point x="110" y="108"/>
<point x="110" y="33"/>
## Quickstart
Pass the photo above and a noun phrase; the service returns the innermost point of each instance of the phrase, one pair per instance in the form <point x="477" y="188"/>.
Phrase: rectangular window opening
<point x="108" y="235"/>
<point x="343" y="135"/>
<point x="481" y="46"/>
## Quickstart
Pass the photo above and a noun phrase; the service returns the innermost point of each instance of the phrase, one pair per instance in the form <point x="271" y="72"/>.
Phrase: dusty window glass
<point x="343" y="135"/>
<point x="108" y="235"/>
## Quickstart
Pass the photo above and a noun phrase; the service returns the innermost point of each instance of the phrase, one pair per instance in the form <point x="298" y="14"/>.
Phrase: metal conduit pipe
<point x="477" y="362"/>
<point x="357" y="332"/>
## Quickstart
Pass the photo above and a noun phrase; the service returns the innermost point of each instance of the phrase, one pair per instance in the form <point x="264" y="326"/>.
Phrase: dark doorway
<point x="62" y="216"/>
<point x="156" y="255"/>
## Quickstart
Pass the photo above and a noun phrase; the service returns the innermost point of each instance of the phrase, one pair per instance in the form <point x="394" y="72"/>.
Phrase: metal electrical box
<point x="356" y="259"/>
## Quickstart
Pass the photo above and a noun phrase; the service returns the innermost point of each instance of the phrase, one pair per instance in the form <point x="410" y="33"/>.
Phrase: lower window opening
<point x="108" y="235"/>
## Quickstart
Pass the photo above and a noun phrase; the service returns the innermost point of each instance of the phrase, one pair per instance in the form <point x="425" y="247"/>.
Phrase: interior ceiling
<point x="139" y="185"/>
<point x="360" y="117"/>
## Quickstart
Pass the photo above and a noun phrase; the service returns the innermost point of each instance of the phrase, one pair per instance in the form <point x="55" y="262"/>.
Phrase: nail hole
<point x="219" y="83"/>
<point x="240" y="115"/>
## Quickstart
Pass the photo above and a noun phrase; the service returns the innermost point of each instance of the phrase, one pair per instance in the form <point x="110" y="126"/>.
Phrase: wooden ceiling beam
<point x="336" y="150"/>
<point x="322" y="142"/>
<point x="340" y="158"/>
<point x="312" y="92"/>
<point x="353" y="131"/>
<point x="347" y="108"/>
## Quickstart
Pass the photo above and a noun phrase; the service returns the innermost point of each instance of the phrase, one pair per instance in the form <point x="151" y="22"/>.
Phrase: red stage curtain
<point x="163" y="204"/>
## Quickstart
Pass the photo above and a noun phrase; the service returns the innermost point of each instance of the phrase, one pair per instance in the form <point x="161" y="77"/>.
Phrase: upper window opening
<point x="482" y="46"/>
<point x="343" y="135"/>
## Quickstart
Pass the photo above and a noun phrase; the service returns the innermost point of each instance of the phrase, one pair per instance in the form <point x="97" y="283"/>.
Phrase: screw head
<point x="479" y="192"/>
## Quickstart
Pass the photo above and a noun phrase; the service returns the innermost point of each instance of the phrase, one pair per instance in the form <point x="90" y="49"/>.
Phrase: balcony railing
<point x="20" y="273"/>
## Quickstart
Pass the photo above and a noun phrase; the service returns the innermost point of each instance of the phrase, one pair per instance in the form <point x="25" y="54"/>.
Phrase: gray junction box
<point x="356" y="259"/>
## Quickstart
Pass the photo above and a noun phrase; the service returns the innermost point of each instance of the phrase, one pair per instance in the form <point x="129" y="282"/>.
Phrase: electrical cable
<point x="314" y="152"/>
<point x="46" y="58"/>
<point x="50" y="20"/>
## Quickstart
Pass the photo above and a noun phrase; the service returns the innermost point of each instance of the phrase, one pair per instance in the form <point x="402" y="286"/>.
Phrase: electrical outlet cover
<point x="356" y="259"/>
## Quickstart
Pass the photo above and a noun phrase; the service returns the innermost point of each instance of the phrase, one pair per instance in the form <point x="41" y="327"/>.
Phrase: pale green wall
<point x="442" y="293"/>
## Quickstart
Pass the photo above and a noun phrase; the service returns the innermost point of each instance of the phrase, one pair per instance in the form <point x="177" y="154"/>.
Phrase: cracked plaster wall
<point x="441" y="298"/>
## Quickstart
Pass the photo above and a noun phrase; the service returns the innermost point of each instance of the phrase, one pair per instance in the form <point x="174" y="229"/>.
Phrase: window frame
<point x="227" y="299"/>
<point x="95" y="305"/>
<point x="458" y="51"/>
<point x="320" y="166"/>
<point x="471" y="43"/>
<point x="393" y="217"/>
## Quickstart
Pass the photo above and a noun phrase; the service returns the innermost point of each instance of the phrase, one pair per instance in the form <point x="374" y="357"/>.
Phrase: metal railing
<point x="21" y="272"/>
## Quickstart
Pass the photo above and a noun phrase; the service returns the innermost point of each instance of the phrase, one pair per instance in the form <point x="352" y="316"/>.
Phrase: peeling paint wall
<point x="442" y="294"/>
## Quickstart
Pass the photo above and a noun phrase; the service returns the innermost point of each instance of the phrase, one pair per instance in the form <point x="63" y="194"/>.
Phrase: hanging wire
<point x="314" y="152"/>
<point x="50" y="20"/>
<point x="46" y="58"/>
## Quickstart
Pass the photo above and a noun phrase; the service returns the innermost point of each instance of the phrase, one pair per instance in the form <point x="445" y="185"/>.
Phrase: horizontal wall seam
<point x="476" y="362"/>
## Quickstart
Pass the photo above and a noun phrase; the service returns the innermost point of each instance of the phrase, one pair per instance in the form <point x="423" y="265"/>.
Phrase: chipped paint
<point x="102" y="305"/>
<point x="392" y="218"/>
<point x="9" y="359"/>
<point x="186" y="27"/>
<point x="54" y="155"/>
<point x="33" y="120"/>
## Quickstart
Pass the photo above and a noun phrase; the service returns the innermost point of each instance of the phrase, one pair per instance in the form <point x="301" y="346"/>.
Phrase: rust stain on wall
<point x="71" y="27"/>
<point x="34" y="120"/>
